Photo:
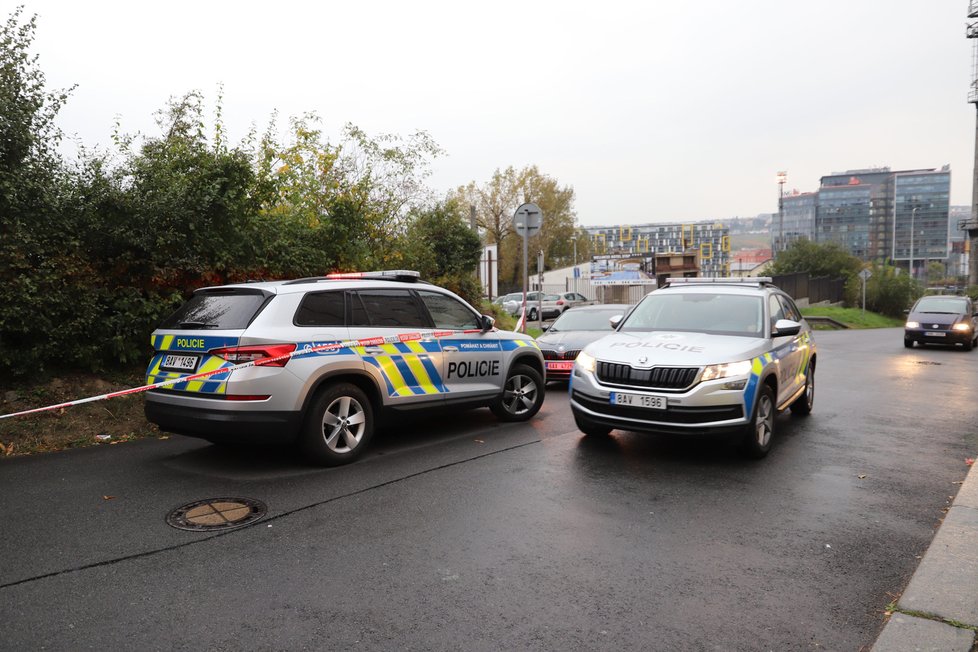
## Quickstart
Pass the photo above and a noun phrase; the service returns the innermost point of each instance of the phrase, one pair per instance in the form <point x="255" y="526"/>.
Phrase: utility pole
<point x="971" y="225"/>
<point x="782" y="177"/>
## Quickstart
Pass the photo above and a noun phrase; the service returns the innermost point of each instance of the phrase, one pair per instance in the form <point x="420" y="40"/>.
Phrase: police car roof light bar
<point x="756" y="280"/>
<point x="405" y="275"/>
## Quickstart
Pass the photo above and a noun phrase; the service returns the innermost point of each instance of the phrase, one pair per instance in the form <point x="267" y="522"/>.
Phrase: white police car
<point x="408" y="345"/>
<point x="703" y="354"/>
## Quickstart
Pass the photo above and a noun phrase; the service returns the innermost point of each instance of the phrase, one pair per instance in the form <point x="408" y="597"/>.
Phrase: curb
<point x="944" y="588"/>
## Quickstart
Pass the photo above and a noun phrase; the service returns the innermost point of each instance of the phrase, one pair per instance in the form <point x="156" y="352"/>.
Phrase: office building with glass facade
<point x="876" y="214"/>
<point x="798" y="219"/>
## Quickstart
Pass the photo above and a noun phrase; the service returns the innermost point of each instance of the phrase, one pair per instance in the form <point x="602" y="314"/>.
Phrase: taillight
<point x="263" y="355"/>
<point x="560" y="302"/>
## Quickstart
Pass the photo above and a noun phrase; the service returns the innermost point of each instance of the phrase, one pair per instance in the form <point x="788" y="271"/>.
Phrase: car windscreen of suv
<point x="700" y="312"/>
<point x="217" y="310"/>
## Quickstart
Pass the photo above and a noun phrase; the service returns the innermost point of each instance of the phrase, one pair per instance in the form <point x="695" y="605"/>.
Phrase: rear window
<point x="217" y="310"/>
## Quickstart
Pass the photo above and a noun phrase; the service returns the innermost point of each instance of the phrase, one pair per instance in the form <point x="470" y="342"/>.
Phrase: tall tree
<point x="441" y="246"/>
<point x="497" y="200"/>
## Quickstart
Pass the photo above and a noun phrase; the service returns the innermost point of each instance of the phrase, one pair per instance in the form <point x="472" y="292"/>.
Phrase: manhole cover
<point x="216" y="514"/>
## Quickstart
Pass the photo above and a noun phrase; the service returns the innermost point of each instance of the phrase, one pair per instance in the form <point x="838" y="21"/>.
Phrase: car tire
<point x="908" y="343"/>
<point x="522" y="395"/>
<point x="338" y="426"/>
<point x="804" y="403"/>
<point x="590" y="428"/>
<point x="756" y="442"/>
<point x="533" y="314"/>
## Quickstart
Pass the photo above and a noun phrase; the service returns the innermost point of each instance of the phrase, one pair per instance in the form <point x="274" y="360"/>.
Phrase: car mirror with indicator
<point x="487" y="323"/>
<point x="614" y="321"/>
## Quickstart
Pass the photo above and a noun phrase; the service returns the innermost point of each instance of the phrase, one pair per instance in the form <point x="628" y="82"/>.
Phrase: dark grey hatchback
<point x="945" y="320"/>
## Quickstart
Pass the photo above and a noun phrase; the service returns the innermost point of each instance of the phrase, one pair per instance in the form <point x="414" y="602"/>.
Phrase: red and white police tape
<point x="370" y="341"/>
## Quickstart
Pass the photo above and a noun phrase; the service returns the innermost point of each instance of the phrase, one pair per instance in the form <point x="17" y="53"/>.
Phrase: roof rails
<point x="759" y="281"/>
<point x="403" y="275"/>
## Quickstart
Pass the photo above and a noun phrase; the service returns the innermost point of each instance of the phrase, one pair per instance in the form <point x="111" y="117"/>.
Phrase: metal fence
<point x="598" y="292"/>
<point x="801" y="285"/>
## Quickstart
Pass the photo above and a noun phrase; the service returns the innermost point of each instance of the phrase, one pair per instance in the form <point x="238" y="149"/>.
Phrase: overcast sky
<point x="652" y="111"/>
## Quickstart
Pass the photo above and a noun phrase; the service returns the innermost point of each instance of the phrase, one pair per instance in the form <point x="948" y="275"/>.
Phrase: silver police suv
<point x="409" y="353"/>
<point x="699" y="354"/>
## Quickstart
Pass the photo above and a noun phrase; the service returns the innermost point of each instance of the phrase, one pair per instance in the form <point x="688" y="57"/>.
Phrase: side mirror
<point x="785" y="327"/>
<point x="487" y="323"/>
<point x="907" y="311"/>
<point x="614" y="321"/>
<point x="545" y="327"/>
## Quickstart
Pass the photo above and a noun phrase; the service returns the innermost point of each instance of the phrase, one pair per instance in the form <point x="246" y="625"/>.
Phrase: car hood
<point x="676" y="348"/>
<point x="939" y="318"/>
<point x="570" y="339"/>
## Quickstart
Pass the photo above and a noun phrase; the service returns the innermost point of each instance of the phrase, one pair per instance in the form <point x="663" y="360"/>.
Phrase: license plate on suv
<point x="639" y="400"/>
<point x="175" y="362"/>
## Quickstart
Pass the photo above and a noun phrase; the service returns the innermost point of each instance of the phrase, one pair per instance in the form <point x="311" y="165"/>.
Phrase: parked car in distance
<point x="942" y="319"/>
<point x="567" y="300"/>
<point x="571" y="332"/>
<point x="503" y="299"/>
<point x="513" y="306"/>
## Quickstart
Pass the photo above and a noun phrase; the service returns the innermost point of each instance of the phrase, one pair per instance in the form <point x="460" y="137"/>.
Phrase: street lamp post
<point x="574" y="240"/>
<point x="913" y="216"/>
<point x="782" y="177"/>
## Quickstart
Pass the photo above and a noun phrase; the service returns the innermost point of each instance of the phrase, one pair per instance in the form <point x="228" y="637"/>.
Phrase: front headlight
<point x="963" y="326"/>
<point x="586" y="361"/>
<point x="726" y="370"/>
<point x="913" y="324"/>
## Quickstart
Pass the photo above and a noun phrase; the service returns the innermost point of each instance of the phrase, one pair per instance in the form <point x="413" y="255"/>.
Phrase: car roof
<point x="306" y="285"/>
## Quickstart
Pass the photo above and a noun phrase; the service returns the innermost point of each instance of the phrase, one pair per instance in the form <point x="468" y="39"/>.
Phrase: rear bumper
<point x="260" y="427"/>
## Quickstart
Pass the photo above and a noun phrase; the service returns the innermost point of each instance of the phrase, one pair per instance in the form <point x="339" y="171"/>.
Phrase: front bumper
<point x="945" y="336"/>
<point x="705" y="407"/>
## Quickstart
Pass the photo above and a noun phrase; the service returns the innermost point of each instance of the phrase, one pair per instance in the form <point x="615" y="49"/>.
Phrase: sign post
<point x="864" y="275"/>
<point x="526" y="220"/>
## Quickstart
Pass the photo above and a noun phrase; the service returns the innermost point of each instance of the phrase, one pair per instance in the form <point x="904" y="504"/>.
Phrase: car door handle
<point x="373" y="350"/>
<point x="453" y="349"/>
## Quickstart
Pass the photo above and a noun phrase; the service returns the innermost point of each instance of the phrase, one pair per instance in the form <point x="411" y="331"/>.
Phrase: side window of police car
<point x="776" y="310"/>
<point x="448" y="313"/>
<point x="386" y="309"/>
<point x="320" y="309"/>
<point x="790" y="309"/>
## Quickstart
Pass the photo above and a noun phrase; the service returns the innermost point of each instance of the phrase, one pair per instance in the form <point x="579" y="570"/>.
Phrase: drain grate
<point x="216" y="514"/>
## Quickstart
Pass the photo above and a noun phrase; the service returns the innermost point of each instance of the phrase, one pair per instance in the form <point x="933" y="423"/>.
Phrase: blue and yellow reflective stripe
<point x="407" y="375"/>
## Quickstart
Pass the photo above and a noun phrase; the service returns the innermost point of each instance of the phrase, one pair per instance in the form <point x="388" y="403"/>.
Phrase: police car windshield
<point x="700" y="312"/>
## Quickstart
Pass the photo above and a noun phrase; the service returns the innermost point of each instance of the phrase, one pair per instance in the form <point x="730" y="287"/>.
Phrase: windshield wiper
<point x="197" y="324"/>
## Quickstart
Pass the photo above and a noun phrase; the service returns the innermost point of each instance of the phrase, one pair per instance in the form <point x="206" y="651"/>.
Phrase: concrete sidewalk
<point x="943" y="592"/>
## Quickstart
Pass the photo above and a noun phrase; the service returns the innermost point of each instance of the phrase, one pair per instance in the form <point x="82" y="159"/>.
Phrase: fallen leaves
<point x="7" y="449"/>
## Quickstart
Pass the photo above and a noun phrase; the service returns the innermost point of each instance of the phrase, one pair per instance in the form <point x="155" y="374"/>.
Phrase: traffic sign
<point x="527" y="219"/>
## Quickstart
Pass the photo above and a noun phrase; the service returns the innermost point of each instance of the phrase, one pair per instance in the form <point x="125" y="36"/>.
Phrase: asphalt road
<point x="462" y="533"/>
